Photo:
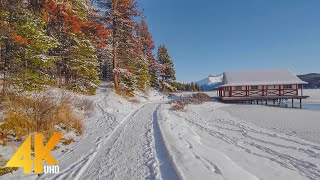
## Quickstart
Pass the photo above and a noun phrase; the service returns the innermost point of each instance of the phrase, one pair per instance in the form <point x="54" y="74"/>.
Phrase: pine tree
<point x="146" y="38"/>
<point x="194" y="87"/>
<point x="6" y="31"/>
<point x="156" y="70"/>
<point x="83" y="67"/>
<point x="76" y="64"/>
<point x="143" y="75"/>
<point x="147" y="74"/>
<point x="24" y="47"/>
<point x="33" y="64"/>
<point x="165" y="59"/>
<point x="68" y="43"/>
<point x="125" y="41"/>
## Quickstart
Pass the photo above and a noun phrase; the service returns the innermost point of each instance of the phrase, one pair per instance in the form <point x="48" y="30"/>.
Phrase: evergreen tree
<point x="76" y="63"/>
<point x="46" y="42"/>
<point x="165" y="59"/>
<point x="63" y="43"/>
<point x="156" y="70"/>
<point x="126" y="43"/>
<point x="147" y="74"/>
<point x="143" y="75"/>
<point x="24" y="47"/>
<point x="146" y="38"/>
<point x="83" y="67"/>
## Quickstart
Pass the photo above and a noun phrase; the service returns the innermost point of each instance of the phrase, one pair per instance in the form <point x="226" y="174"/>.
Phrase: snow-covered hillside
<point x="211" y="82"/>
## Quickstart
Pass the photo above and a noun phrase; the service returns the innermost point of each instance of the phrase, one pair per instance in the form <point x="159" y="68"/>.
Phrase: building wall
<point x="267" y="90"/>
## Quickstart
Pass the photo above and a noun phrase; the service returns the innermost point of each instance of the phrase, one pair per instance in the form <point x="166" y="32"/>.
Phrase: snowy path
<point x="133" y="151"/>
<point x="208" y="143"/>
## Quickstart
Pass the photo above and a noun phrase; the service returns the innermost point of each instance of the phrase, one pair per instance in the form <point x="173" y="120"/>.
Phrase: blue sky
<point x="212" y="36"/>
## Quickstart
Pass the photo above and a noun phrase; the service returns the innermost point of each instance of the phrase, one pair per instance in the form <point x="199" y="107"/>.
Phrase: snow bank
<point x="150" y="95"/>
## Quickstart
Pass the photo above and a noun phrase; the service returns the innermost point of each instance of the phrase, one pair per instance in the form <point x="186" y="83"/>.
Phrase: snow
<point x="149" y="95"/>
<point x="211" y="79"/>
<point x="314" y="96"/>
<point x="109" y="112"/>
<point x="207" y="142"/>
<point x="265" y="77"/>
<point x="211" y="82"/>
<point x="147" y="140"/>
<point x="301" y="123"/>
<point x="133" y="150"/>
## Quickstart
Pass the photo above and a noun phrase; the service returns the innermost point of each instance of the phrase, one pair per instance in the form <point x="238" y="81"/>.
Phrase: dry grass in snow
<point x="199" y="98"/>
<point x="41" y="113"/>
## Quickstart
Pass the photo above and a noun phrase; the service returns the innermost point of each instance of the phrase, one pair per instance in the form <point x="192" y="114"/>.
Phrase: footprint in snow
<point x="196" y="156"/>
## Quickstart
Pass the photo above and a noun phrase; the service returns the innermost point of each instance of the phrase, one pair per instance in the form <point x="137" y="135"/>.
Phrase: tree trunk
<point x="5" y="69"/>
<point x="115" y="75"/>
<point x="115" y="60"/>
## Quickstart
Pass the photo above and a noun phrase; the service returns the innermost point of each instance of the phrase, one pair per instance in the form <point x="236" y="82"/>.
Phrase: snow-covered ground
<point x="147" y="140"/>
<point x="134" y="151"/>
<point x="109" y="113"/>
<point x="206" y="142"/>
<point x="314" y="95"/>
<point x="301" y="123"/>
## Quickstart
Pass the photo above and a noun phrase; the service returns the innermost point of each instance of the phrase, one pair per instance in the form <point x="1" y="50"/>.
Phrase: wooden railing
<point x="261" y="92"/>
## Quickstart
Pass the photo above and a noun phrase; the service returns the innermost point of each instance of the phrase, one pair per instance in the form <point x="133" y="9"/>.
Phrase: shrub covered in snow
<point x="199" y="98"/>
<point x="168" y="88"/>
<point x="202" y="97"/>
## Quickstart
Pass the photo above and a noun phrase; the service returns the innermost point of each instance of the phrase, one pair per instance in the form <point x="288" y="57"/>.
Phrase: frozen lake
<point x="309" y="106"/>
<point x="312" y="103"/>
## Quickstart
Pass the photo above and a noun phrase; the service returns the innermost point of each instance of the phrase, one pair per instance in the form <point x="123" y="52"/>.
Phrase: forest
<point x="76" y="44"/>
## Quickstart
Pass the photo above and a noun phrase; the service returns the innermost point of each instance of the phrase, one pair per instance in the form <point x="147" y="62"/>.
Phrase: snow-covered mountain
<point x="211" y="82"/>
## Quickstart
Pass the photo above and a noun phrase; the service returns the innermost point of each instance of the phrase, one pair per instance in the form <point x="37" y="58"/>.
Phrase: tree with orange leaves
<point x="49" y="41"/>
<point x="24" y="46"/>
<point x="63" y="42"/>
<point x="120" y="18"/>
<point x="146" y="38"/>
<point x="76" y="65"/>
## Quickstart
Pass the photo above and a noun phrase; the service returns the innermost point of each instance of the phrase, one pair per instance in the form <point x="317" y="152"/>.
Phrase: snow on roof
<point x="264" y="77"/>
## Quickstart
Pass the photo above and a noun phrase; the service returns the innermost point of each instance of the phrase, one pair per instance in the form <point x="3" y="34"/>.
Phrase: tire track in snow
<point x="218" y="127"/>
<point x="167" y="167"/>
<point x="194" y="158"/>
<point x="77" y="169"/>
<point x="134" y="151"/>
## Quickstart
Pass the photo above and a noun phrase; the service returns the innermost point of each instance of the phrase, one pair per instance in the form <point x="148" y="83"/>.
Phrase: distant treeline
<point x="313" y="79"/>
<point x="186" y="86"/>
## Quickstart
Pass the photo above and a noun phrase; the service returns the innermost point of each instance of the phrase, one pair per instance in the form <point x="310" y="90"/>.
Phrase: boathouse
<point x="261" y="86"/>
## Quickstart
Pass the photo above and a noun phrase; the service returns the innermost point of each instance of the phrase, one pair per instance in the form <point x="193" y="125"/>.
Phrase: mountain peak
<point x="214" y="75"/>
<point x="211" y="82"/>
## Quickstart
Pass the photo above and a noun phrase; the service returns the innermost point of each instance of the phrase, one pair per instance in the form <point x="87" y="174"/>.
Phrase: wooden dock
<point x="262" y="99"/>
